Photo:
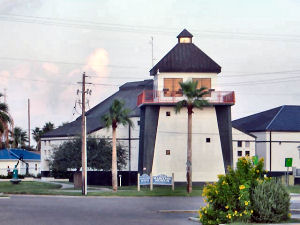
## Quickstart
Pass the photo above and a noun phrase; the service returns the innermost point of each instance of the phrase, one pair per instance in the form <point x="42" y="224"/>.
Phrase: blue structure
<point x="15" y="154"/>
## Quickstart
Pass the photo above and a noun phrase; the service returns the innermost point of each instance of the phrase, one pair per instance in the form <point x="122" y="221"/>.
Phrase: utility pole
<point x="83" y="139"/>
<point x="29" y="122"/>
<point x="152" y="43"/>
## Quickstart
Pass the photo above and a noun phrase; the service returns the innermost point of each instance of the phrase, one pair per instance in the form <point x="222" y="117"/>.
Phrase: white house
<point x="10" y="157"/>
<point x="243" y="144"/>
<point x="277" y="134"/>
<point x="157" y="142"/>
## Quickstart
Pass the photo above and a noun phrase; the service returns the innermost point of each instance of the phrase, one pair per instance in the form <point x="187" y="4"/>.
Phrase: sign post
<point x="288" y="164"/>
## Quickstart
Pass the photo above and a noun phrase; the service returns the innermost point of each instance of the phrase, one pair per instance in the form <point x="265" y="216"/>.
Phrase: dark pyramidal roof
<point x="186" y="57"/>
<point x="283" y="118"/>
<point x="127" y="92"/>
<point x="184" y="33"/>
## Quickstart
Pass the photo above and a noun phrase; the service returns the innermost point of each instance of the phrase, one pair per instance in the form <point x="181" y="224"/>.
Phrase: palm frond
<point x="179" y="105"/>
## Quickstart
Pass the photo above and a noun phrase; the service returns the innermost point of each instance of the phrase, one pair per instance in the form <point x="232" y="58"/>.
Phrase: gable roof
<point x="127" y="92"/>
<point x="14" y="154"/>
<point x="186" y="57"/>
<point x="283" y="118"/>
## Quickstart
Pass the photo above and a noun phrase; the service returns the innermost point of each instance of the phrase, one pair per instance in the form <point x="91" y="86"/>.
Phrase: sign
<point x="255" y="160"/>
<point x="288" y="162"/>
<point x="144" y="179"/>
<point x="162" y="180"/>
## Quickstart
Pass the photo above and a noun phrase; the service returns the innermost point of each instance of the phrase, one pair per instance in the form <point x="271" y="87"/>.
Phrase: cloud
<point x="50" y="67"/>
<point x="98" y="62"/>
<point x="4" y="76"/>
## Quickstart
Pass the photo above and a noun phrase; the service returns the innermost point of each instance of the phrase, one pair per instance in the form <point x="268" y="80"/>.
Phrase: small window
<point x="138" y="122"/>
<point x="239" y="143"/>
<point x="35" y="166"/>
<point x="168" y="113"/>
<point x="247" y="153"/>
<point x="168" y="152"/>
<point x="208" y="140"/>
<point x="240" y="153"/>
<point x="247" y="144"/>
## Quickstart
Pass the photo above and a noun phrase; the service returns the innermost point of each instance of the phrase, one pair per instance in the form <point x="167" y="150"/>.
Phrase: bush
<point x="271" y="202"/>
<point x="230" y="199"/>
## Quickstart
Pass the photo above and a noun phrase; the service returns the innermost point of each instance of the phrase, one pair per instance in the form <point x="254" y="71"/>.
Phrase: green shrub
<point x="229" y="199"/>
<point x="271" y="202"/>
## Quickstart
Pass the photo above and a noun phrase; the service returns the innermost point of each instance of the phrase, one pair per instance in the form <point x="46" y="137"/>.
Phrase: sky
<point x="46" y="45"/>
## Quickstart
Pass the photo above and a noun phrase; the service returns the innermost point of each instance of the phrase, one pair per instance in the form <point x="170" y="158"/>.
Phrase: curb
<point x="194" y="219"/>
<point x="178" y="211"/>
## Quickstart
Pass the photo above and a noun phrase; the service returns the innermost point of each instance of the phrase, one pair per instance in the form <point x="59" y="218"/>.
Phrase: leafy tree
<point x="19" y="137"/>
<point x="5" y="121"/>
<point x="117" y="115"/>
<point x="68" y="155"/>
<point x="193" y="99"/>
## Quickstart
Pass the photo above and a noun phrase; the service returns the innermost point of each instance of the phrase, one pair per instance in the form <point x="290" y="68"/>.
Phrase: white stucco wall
<point x="159" y="78"/>
<point x="48" y="145"/>
<point x="34" y="167"/>
<point x="238" y="135"/>
<point x="207" y="159"/>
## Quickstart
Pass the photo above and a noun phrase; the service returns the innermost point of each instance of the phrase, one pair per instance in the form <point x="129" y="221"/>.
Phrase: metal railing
<point x="215" y="97"/>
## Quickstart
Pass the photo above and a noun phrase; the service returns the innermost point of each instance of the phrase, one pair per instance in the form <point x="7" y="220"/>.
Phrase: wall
<point x="207" y="159"/>
<point x="238" y="135"/>
<point x="49" y="144"/>
<point x="21" y="167"/>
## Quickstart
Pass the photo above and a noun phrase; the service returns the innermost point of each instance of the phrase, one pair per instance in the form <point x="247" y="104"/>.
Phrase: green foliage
<point x="230" y="198"/>
<point x="68" y="155"/>
<point x="20" y="137"/>
<point x="271" y="202"/>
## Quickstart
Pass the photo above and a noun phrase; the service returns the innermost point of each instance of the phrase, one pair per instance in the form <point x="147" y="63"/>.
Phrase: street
<point x="29" y="210"/>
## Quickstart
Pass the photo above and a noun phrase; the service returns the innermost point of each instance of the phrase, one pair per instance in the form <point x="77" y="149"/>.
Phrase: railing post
<point x="173" y="182"/>
<point x="138" y="182"/>
<point x="151" y="182"/>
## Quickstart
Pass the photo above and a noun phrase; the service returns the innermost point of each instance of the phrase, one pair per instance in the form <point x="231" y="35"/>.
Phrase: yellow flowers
<point x="242" y="187"/>
<point x="217" y="192"/>
<point x="245" y="212"/>
<point x="251" y="211"/>
<point x="257" y="171"/>
<point x="241" y="214"/>
<point x="247" y="203"/>
<point x="224" y="182"/>
<point x="229" y="216"/>
<point x="289" y="215"/>
<point x="235" y="212"/>
<point x="226" y="207"/>
<point x="220" y="176"/>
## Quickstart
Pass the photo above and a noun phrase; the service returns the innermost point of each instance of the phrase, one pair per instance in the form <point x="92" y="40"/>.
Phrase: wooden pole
<point x="29" y="122"/>
<point x="138" y="182"/>
<point x="83" y="139"/>
<point x="151" y="182"/>
<point x="173" y="182"/>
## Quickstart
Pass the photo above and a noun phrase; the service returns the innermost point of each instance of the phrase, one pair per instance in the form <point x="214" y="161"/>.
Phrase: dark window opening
<point x="168" y="152"/>
<point x="168" y="113"/>
<point x="208" y="140"/>
<point x="239" y="143"/>
<point x="247" y="153"/>
<point x="240" y="153"/>
<point x="138" y="123"/>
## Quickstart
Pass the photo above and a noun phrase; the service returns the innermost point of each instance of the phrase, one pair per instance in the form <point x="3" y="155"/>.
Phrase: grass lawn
<point x="27" y="187"/>
<point x="33" y="187"/>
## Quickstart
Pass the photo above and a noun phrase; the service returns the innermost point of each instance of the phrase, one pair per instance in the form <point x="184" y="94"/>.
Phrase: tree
<point x="5" y="121"/>
<point x="19" y="137"/>
<point x="37" y="133"/>
<point x="68" y="155"/>
<point x="193" y="99"/>
<point x="117" y="115"/>
<point x="48" y="127"/>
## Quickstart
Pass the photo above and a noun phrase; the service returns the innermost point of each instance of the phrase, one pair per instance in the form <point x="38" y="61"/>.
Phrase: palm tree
<point x="193" y="99"/>
<point x="48" y="127"/>
<point x="19" y="137"/>
<point x="5" y="120"/>
<point x="37" y="133"/>
<point x="117" y="115"/>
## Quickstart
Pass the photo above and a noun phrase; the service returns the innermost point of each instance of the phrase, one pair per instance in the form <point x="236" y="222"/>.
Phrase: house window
<point x="239" y="153"/>
<point x="208" y="140"/>
<point x="247" y="153"/>
<point x="203" y="82"/>
<point x="168" y="113"/>
<point x="239" y="143"/>
<point x="247" y="144"/>
<point x="35" y="166"/>
<point x="172" y="87"/>
<point x="138" y="123"/>
<point x="168" y="152"/>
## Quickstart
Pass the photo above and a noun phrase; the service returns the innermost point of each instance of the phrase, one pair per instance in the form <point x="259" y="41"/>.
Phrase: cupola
<point x="185" y="37"/>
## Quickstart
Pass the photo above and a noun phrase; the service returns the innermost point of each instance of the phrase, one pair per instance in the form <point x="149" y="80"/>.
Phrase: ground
<point x="28" y="210"/>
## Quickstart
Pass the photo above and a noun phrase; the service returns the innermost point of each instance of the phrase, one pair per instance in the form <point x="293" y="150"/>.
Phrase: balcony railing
<point x="216" y="97"/>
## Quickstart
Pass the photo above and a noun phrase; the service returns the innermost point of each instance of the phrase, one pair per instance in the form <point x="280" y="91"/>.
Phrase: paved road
<point x="28" y="210"/>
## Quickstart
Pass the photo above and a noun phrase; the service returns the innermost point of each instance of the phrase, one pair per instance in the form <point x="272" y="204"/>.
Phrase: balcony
<point x="163" y="97"/>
